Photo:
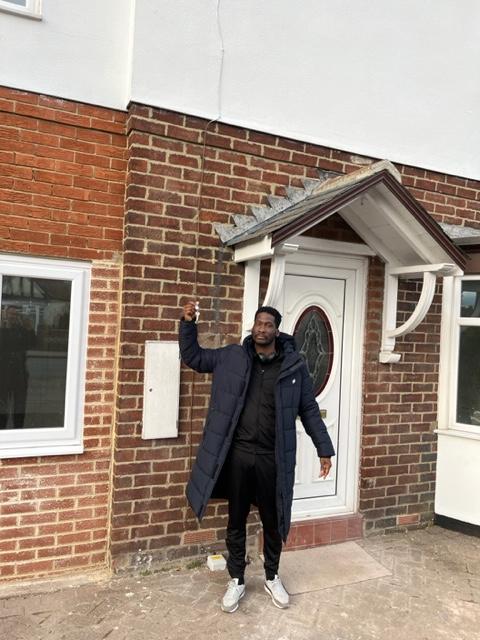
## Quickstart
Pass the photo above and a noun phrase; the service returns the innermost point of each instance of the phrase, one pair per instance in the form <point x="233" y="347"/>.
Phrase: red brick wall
<point x="399" y="415"/>
<point x="62" y="179"/>
<point x="448" y="198"/>
<point x="150" y="516"/>
<point x="62" y="176"/>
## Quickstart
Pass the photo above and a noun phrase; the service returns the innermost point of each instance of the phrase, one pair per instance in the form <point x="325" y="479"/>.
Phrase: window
<point x="468" y="360"/>
<point x="459" y="380"/>
<point x="43" y="327"/>
<point x="314" y="338"/>
<point x="27" y="8"/>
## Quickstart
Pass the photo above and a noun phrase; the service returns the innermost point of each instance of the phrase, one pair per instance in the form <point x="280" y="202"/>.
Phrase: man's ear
<point x="277" y="333"/>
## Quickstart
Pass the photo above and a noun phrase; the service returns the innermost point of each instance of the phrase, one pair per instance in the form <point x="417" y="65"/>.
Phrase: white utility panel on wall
<point x="161" y="390"/>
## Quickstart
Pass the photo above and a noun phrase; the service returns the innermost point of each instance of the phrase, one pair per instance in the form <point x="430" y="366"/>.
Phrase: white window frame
<point x="15" y="443"/>
<point x="449" y="354"/>
<point x="33" y="9"/>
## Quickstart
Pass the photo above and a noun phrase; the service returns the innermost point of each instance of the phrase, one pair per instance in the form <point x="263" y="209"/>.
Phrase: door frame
<point x="351" y="258"/>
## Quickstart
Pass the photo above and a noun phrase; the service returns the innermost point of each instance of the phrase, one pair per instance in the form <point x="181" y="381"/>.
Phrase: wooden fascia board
<point x="424" y="218"/>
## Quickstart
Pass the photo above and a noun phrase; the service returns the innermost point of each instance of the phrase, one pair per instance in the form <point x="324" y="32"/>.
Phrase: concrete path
<point x="432" y="592"/>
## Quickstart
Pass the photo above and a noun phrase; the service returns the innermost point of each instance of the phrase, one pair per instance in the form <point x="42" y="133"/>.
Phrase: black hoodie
<point x="255" y="431"/>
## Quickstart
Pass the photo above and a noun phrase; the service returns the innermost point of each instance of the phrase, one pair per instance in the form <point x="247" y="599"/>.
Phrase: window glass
<point x="470" y="300"/>
<point x="468" y="394"/>
<point x="19" y="3"/>
<point x="34" y="335"/>
<point x="314" y="339"/>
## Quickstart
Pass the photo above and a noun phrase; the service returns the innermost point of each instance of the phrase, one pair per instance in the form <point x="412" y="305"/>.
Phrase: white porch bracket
<point x="390" y="302"/>
<point x="251" y="290"/>
<point x="252" y="258"/>
<point x="277" y="274"/>
<point x="252" y="253"/>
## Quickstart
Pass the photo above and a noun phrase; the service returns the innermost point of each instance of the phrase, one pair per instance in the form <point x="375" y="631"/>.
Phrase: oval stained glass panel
<point x="314" y="339"/>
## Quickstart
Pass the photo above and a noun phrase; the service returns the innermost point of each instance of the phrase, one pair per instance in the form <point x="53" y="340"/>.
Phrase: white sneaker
<point x="232" y="595"/>
<point x="277" y="592"/>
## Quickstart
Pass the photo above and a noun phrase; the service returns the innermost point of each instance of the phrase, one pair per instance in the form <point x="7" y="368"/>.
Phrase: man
<point x="247" y="453"/>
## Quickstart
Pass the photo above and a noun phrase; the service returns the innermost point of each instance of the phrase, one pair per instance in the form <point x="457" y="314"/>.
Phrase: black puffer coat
<point x="231" y="367"/>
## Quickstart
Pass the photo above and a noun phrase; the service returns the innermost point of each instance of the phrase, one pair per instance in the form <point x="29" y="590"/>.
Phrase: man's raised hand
<point x="189" y="311"/>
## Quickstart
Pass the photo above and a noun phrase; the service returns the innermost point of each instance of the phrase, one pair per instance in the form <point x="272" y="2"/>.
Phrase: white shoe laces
<point x="233" y="587"/>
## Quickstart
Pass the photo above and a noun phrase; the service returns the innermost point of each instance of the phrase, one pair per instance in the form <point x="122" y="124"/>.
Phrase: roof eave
<point x="319" y="213"/>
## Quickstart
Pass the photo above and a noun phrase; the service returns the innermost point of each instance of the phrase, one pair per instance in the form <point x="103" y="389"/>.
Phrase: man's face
<point x="264" y="330"/>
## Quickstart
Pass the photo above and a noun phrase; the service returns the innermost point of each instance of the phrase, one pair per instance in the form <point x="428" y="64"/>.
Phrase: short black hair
<point x="272" y="312"/>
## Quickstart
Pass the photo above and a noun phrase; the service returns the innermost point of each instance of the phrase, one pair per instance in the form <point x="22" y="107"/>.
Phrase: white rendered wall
<point x="79" y="51"/>
<point x="457" y="488"/>
<point x="396" y="80"/>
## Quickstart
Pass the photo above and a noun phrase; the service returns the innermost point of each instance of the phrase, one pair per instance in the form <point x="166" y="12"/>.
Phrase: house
<point x="152" y="153"/>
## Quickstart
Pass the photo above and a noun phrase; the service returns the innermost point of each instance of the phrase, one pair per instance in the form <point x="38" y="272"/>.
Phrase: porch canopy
<point x="375" y="204"/>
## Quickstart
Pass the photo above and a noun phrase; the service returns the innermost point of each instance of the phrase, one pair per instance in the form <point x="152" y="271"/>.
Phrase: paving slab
<point x="431" y="592"/>
<point x="328" y="566"/>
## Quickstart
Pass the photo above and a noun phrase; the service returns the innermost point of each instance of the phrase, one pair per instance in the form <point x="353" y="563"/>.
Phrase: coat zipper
<point x="283" y="374"/>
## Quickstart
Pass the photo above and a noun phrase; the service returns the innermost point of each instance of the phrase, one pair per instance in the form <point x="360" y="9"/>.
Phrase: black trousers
<point x="252" y="480"/>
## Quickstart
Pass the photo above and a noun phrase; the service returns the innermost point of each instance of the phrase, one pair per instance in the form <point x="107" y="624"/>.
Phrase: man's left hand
<point x="325" y="466"/>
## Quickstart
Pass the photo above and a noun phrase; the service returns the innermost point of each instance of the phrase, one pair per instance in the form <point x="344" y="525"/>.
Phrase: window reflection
<point x="34" y="327"/>
<point x="470" y="300"/>
<point x="468" y="395"/>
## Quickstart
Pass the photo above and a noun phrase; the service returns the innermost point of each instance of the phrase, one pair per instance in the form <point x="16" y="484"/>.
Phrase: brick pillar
<point x="398" y="443"/>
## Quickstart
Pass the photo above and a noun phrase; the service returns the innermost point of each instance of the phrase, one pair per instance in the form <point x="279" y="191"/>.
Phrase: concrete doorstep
<point x="330" y="566"/>
<point x="421" y="585"/>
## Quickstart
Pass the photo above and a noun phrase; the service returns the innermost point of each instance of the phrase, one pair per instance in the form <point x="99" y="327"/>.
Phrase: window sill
<point x="40" y="449"/>
<point x="31" y="15"/>
<point x="457" y="433"/>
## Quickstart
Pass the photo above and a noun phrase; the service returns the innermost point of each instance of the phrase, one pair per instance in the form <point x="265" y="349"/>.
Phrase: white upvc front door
<point x="323" y="298"/>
